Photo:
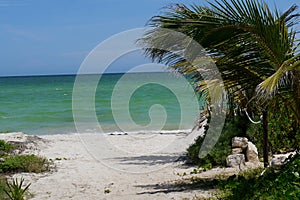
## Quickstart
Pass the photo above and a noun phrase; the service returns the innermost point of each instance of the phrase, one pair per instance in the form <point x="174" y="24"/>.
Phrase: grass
<point x="24" y="163"/>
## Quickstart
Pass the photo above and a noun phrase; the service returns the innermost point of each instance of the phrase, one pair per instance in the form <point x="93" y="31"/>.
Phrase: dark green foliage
<point x="283" y="136"/>
<point x="284" y="132"/>
<point x="282" y="185"/>
<point x="24" y="163"/>
<point x="5" y="147"/>
<point x="217" y="157"/>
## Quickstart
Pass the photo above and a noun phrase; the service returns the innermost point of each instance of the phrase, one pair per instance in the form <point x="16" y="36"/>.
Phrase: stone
<point x="239" y="142"/>
<point x="235" y="160"/>
<point x="252" y="153"/>
<point x="236" y="151"/>
<point x="279" y="159"/>
<point x="2" y="160"/>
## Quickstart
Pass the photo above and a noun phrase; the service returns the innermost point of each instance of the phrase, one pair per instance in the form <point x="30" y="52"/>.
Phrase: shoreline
<point x="139" y="132"/>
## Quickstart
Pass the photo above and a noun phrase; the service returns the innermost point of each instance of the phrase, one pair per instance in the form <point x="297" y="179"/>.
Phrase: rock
<point x="279" y="159"/>
<point x="240" y="142"/>
<point x="2" y="160"/>
<point x="235" y="160"/>
<point x="251" y="153"/>
<point x="236" y="151"/>
<point x="16" y="152"/>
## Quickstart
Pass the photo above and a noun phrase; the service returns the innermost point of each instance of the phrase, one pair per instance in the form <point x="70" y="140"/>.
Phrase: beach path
<point x="99" y="166"/>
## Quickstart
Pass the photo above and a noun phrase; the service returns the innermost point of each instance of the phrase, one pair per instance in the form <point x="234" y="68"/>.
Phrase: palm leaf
<point x="253" y="47"/>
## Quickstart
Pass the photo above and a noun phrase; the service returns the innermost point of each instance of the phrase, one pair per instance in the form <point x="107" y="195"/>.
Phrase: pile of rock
<point x="242" y="151"/>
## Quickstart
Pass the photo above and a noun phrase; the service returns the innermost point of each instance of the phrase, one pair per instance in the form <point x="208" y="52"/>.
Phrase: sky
<point x="40" y="37"/>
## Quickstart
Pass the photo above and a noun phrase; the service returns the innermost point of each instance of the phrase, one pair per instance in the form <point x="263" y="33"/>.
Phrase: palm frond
<point x="254" y="48"/>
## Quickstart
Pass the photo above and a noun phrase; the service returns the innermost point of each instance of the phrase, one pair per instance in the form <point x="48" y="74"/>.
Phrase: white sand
<point x="128" y="166"/>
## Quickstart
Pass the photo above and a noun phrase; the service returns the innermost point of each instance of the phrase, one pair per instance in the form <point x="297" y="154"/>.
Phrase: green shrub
<point x="217" y="156"/>
<point x="5" y="146"/>
<point x="24" y="163"/>
<point x="284" y="135"/>
<point x="284" y="131"/>
<point x="282" y="185"/>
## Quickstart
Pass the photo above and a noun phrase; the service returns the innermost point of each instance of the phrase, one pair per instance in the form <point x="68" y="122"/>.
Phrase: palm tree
<point x="254" y="49"/>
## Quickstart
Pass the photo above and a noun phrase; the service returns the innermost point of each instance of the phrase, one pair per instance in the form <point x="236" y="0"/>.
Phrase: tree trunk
<point x="265" y="138"/>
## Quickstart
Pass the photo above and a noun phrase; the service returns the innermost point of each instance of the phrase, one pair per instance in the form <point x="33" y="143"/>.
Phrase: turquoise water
<point x="43" y="104"/>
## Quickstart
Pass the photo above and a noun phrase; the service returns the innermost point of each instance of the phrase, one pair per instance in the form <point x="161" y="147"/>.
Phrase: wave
<point x="7" y="117"/>
<point x="183" y="131"/>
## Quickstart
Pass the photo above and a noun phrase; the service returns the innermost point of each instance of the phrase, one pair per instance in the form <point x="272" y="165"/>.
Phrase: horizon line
<point x="71" y="74"/>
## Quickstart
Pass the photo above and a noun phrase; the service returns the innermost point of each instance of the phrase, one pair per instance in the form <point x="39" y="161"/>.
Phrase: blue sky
<point x="54" y="36"/>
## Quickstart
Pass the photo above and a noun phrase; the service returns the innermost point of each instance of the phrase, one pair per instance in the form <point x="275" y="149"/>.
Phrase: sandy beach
<point x="141" y="166"/>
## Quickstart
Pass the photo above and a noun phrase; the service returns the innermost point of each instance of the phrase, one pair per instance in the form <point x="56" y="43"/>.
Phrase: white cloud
<point x="11" y="3"/>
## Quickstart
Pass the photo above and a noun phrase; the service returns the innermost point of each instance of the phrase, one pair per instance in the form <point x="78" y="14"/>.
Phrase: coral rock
<point x="279" y="159"/>
<point x="235" y="160"/>
<point x="236" y="151"/>
<point x="240" y="142"/>
<point x="252" y="153"/>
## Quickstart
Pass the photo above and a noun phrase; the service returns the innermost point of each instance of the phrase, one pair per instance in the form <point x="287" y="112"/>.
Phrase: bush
<point x="24" y="163"/>
<point x="16" y="190"/>
<point x="284" y="131"/>
<point x="282" y="185"/>
<point x="217" y="156"/>
<point x="5" y="146"/>
<point x="283" y="136"/>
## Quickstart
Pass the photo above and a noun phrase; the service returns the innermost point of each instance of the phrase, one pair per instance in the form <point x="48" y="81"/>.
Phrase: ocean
<point x="43" y="105"/>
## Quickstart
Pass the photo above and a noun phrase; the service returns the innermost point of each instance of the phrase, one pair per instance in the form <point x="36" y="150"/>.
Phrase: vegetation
<point x="24" y="163"/>
<point x="254" y="49"/>
<point x="280" y="142"/>
<point x="252" y="184"/>
<point x="5" y="147"/>
<point x="16" y="190"/>
<point x="217" y="156"/>
<point x="256" y="53"/>
<point x="282" y="185"/>
<point x="20" y="163"/>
